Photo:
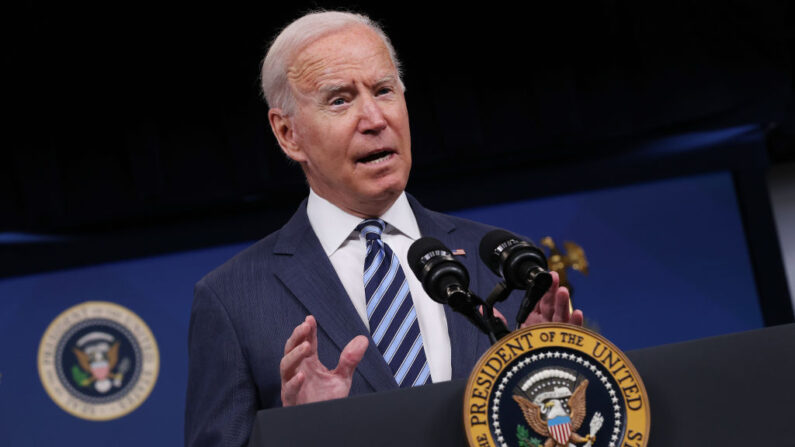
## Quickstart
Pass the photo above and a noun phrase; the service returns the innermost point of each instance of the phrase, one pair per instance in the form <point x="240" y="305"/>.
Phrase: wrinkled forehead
<point x="356" y="49"/>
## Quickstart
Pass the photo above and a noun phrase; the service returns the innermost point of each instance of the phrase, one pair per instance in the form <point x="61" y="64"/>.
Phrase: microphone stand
<point x="467" y="303"/>
<point x="538" y="284"/>
<point x="497" y="327"/>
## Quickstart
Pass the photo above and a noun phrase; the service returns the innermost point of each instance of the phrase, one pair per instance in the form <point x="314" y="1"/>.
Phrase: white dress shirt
<point x="346" y="250"/>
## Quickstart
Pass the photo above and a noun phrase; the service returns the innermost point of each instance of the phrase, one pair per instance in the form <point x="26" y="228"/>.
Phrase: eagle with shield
<point x="97" y="353"/>
<point x="554" y="411"/>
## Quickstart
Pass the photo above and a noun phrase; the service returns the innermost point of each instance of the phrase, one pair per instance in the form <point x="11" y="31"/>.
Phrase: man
<point x="267" y="325"/>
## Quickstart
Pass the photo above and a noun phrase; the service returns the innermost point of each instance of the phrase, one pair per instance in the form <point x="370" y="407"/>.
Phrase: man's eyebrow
<point x="388" y="79"/>
<point x="332" y="89"/>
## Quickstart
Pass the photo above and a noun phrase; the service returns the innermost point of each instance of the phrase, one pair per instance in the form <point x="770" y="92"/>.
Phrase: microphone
<point x="520" y="263"/>
<point x="445" y="279"/>
<point x="517" y="261"/>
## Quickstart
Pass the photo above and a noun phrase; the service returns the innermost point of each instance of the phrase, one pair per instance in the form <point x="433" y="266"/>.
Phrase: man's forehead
<point x="356" y="48"/>
<point x="342" y="38"/>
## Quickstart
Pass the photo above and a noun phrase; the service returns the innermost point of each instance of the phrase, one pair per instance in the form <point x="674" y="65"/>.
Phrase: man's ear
<point x="283" y="129"/>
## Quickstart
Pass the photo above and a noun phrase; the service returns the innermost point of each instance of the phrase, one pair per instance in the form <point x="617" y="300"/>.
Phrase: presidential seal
<point x="555" y="385"/>
<point x="98" y="361"/>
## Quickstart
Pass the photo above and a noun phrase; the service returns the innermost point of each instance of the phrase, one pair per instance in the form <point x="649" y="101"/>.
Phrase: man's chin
<point x="375" y="202"/>
<point x="383" y="196"/>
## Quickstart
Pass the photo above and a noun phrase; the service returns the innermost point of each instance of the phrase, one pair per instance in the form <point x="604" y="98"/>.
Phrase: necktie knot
<point x="371" y="229"/>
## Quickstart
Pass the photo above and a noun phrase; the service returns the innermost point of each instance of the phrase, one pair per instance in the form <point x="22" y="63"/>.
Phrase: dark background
<point x="138" y="128"/>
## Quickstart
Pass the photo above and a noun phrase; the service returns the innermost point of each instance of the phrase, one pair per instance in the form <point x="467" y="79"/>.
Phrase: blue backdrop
<point x="668" y="262"/>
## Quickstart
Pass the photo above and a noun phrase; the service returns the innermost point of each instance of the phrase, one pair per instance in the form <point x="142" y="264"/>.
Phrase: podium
<point x="729" y="390"/>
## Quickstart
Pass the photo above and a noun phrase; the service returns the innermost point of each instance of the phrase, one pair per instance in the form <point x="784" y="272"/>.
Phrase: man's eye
<point x="384" y="90"/>
<point x="337" y="102"/>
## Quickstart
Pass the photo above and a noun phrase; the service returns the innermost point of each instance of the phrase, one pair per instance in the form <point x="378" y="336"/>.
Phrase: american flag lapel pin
<point x="459" y="252"/>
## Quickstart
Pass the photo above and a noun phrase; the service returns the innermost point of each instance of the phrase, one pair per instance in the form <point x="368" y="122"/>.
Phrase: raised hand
<point x="304" y="378"/>
<point x="554" y="307"/>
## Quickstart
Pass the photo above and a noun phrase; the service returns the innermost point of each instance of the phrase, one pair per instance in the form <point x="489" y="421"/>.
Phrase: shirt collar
<point x="333" y="225"/>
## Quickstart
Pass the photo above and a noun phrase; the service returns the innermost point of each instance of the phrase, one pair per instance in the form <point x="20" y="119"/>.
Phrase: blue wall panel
<point x="159" y="290"/>
<point x="668" y="259"/>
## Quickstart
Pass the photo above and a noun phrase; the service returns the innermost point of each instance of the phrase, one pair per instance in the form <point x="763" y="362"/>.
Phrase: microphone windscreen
<point x="418" y="251"/>
<point x="488" y="248"/>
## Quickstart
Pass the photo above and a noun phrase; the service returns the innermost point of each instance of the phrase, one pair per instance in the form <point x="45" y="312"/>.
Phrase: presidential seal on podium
<point x="555" y="385"/>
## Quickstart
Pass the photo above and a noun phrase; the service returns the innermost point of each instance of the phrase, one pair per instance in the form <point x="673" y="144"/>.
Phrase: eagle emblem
<point x="98" y="364"/>
<point x="553" y="410"/>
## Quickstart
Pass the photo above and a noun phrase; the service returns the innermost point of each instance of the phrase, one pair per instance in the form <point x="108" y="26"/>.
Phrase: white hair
<point x="296" y="36"/>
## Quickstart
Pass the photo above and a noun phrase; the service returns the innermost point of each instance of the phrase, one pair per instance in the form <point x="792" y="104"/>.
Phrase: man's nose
<point x="372" y="118"/>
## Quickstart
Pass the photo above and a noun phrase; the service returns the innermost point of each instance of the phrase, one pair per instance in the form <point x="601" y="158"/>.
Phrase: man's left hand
<point x="554" y="307"/>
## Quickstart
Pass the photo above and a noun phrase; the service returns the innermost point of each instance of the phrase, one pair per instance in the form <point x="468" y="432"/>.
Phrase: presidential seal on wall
<point x="555" y="385"/>
<point x="98" y="361"/>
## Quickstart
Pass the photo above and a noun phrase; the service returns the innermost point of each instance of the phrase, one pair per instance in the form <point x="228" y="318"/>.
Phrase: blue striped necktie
<point x="393" y="319"/>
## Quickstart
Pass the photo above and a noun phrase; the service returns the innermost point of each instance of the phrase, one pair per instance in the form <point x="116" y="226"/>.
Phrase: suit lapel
<point x="465" y="338"/>
<point x="306" y="271"/>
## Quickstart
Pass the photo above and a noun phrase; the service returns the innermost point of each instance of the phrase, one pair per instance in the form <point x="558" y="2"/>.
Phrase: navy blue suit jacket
<point x="244" y="311"/>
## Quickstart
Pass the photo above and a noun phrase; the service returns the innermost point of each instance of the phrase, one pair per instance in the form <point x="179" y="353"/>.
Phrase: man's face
<point x="350" y="130"/>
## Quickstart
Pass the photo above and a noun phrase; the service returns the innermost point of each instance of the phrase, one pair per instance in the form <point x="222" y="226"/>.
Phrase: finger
<point x="561" y="314"/>
<point x="351" y="356"/>
<point x="290" y="362"/>
<point x="547" y="306"/>
<point x="577" y="318"/>
<point x="555" y="279"/>
<point x="291" y="388"/>
<point x="547" y="303"/>
<point x="544" y="310"/>
<point x="298" y="336"/>
<point x="310" y="320"/>
<point x="533" y="318"/>
<point x="499" y="315"/>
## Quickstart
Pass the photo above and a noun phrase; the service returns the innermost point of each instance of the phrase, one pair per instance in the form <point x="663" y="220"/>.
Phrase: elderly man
<point x="322" y="308"/>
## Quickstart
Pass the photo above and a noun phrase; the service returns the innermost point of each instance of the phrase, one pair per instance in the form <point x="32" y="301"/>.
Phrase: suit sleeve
<point x="221" y="401"/>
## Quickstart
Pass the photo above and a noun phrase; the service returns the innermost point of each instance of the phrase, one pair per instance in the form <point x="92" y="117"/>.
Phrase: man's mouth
<point x="376" y="157"/>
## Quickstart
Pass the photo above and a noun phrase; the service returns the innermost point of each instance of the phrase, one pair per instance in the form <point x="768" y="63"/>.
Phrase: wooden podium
<point x="729" y="390"/>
